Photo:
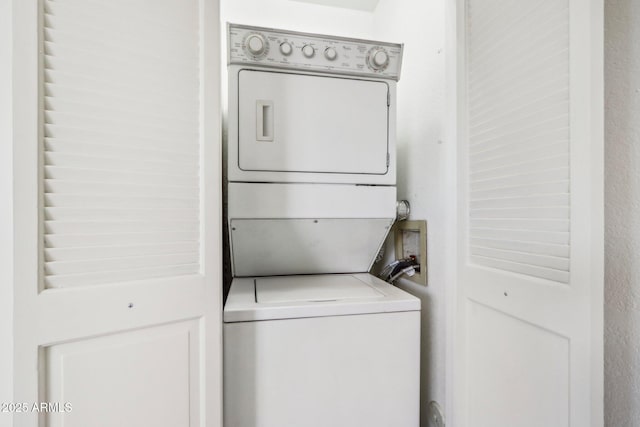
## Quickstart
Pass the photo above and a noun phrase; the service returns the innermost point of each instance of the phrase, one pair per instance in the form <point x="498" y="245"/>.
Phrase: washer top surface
<point x="319" y="288"/>
<point x="289" y="297"/>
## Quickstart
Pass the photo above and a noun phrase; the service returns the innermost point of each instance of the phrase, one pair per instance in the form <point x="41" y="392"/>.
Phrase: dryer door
<point x="312" y="124"/>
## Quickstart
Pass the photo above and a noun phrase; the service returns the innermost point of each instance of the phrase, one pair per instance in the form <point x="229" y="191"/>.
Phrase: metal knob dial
<point x="330" y="53"/>
<point x="308" y="51"/>
<point x="378" y="58"/>
<point x="256" y="45"/>
<point x="285" y="48"/>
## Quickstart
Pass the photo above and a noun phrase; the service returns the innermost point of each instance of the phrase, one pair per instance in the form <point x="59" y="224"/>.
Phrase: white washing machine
<point x="316" y="351"/>
<point x="310" y="338"/>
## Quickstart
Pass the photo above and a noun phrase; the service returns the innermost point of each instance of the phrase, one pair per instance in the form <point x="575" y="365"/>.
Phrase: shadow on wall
<point x="622" y="213"/>
<point x="227" y="276"/>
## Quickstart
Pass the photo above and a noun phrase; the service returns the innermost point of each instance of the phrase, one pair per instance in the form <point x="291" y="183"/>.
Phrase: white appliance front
<point x="312" y="124"/>
<point x="305" y="246"/>
<point x="278" y="229"/>
<point x="338" y="371"/>
<point x="317" y="351"/>
<point x="305" y="127"/>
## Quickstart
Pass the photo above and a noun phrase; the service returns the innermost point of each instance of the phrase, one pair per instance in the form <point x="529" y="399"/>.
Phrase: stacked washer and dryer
<point x="310" y="338"/>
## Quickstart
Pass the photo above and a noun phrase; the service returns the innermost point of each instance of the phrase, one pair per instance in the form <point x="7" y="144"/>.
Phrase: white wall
<point x="298" y="16"/>
<point x="424" y="165"/>
<point x="622" y="213"/>
<point x="6" y="213"/>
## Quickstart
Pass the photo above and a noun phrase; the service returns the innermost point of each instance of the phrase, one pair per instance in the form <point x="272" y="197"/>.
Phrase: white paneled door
<point x="117" y="213"/>
<point x="528" y="346"/>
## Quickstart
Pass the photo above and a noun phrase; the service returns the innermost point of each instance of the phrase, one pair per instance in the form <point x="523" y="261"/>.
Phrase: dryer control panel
<point x="313" y="52"/>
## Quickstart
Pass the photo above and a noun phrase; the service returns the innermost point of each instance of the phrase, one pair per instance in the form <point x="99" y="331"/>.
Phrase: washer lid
<point x="288" y="297"/>
<point x="313" y="289"/>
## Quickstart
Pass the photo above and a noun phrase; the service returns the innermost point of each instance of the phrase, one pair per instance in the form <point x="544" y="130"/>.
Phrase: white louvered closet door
<point x="121" y="142"/>
<point x="530" y="255"/>
<point x="118" y="159"/>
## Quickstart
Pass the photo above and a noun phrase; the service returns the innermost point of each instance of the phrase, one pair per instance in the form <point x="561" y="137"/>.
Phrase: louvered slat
<point x="118" y="151"/>
<point x="554" y="187"/>
<point x="121" y="163"/>
<point x="521" y="224"/>
<point x="57" y="268"/>
<point x="115" y="276"/>
<point x="124" y="96"/>
<point x="541" y="142"/>
<point x="522" y="268"/>
<point x="105" y="252"/>
<point x="66" y="227"/>
<point x="123" y="214"/>
<point x="123" y="189"/>
<point x="113" y="136"/>
<point x="511" y="202"/>
<point x="110" y="239"/>
<point x="531" y="178"/>
<point x="523" y="246"/>
<point x="105" y="176"/>
<point x="553" y="237"/>
<point x="523" y="167"/>
<point x="120" y="145"/>
<point x="518" y="130"/>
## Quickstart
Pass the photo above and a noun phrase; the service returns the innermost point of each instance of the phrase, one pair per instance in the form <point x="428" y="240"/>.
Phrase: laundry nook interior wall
<point x="426" y="167"/>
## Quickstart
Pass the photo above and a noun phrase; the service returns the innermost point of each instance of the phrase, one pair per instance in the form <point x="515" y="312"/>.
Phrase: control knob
<point x="256" y="45"/>
<point x="378" y="59"/>
<point x="330" y="53"/>
<point x="308" y="51"/>
<point x="285" y="48"/>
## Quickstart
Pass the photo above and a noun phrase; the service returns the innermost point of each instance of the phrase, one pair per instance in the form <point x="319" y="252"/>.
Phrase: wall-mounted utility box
<point x="411" y="240"/>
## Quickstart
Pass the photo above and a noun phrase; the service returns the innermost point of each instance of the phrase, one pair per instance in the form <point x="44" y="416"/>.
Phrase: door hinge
<point x="388" y="99"/>
<point x="388" y="160"/>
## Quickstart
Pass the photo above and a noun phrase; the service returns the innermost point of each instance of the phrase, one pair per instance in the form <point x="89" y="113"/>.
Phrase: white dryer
<point x="310" y="338"/>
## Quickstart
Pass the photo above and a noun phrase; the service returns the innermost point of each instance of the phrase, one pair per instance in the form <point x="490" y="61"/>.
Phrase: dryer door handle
<point x="264" y="120"/>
